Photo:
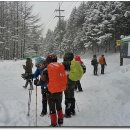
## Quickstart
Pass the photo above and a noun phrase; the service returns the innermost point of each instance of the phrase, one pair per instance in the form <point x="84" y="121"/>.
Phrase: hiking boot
<point x="24" y="86"/>
<point x="43" y="114"/>
<point x="73" y="112"/>
<point x="53" y="125"/>
<point x="80" y="90"/>
<point x="67" y="116"/>
<point x="60" y="122"/>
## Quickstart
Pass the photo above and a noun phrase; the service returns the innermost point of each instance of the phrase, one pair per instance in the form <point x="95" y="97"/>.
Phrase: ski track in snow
<point x="103" y="102"/>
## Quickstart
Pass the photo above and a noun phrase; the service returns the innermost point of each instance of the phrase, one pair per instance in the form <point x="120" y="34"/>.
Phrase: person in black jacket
<point x="94" y="62"/>
<point x="69" y="92"/>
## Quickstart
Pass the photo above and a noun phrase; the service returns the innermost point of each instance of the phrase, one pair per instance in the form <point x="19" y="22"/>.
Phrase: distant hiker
<point x="75" y="73"/>
<point x="94" y="62"/>
<point x="28" y="72"/>
<point x="40" y="64"/>
<point x="78" y="84"/>
<point x="102" y="62"/>
<point x="56" y="78"/>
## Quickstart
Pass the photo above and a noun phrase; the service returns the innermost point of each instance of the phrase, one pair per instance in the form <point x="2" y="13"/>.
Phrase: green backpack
<point x="76" y="71"/>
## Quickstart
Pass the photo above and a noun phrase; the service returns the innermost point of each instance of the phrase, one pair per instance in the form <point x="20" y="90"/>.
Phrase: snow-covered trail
<point x="103" y="102"/>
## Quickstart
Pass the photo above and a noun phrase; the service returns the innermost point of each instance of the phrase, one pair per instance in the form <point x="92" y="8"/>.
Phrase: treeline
<point x="94" y="26"/>
<point x="20" y="32"/>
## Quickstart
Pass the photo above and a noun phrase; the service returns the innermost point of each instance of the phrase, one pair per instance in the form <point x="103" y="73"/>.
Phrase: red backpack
<point x="57" y="77"/>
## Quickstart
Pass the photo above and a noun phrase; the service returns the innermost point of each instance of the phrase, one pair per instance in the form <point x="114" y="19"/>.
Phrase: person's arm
<point x="105" y="61"/>
<point x="44" y="75"/>
<point x="67" y="65"/>
<point x="24" y="67"/>
<point x="36" y="73"/>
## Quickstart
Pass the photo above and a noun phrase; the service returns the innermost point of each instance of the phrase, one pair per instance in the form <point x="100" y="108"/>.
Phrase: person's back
<point x="28" y="73"/>
<point x="28" y="67"/>
<point x="102" y="60"/>
<point x="51" y="75"/>
<point x="94" y="61"/>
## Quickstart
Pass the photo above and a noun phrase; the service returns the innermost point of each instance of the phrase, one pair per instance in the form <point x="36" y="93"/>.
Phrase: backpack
<point x="76" y="71"/>
<point x="57" y="77"/>
<point x="94" y="62"/>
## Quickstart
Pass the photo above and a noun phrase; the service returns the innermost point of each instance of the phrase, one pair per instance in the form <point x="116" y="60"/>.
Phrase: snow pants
<point x="55" y="106"/>
<point x="69" y="98"/>
<point x="95" y="69"/>
<point x="102" y="68"/>
<point x="44" y="101"/>
<point x="78" y="85"/>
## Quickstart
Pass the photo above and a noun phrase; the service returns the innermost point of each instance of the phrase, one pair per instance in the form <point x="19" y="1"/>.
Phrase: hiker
<point x="40" y="64"/>
<point x="28" y="72"/>
<point x="102" y="62"/>
<point x="75" y="73"/>
<point x="56" y="78"/>
<point x="94" y="62"/>
<point x="78" y="84"/>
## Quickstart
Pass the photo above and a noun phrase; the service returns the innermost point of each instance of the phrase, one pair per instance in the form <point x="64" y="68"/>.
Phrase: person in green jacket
<point x="75" y="73"/>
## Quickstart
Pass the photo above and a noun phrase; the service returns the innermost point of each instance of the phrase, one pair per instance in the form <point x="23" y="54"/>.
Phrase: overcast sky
<point x="46" y="11"/>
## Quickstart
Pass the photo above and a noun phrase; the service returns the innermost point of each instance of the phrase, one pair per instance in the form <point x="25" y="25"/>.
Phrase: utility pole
<point x="60" y="16"/>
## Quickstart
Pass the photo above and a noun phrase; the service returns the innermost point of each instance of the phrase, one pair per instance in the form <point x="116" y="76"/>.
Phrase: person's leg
<point x="53" y="116"/>
<point x="79" y="85"/>
<point x="59" y="108"/>
<point x="67" y="105"/>
<point x="69" y="94"/>
<point x="44" y="103"/>
<point x="72" y="100"/>
<point x="76" y="85"/>
<point x="31" y="84"/>
<point x="94" y="70"/>
<point x="103" y="69"/>
<point x="26" y="84"/>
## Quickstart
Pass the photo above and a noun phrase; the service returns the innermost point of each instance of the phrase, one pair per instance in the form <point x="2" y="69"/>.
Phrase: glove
<point x="36" y="81"/>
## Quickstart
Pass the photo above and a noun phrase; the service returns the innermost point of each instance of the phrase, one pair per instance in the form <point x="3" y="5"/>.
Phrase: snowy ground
<point x="105" y="100"/>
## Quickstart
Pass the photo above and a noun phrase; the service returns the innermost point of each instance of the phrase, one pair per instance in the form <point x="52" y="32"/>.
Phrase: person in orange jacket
<point x="55" y="97"/>
<point x="102" y="62"/>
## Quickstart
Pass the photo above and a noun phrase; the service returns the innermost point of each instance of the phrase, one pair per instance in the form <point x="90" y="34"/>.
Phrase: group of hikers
<point x="55" y="79"/>
<point x="95" y="63"/>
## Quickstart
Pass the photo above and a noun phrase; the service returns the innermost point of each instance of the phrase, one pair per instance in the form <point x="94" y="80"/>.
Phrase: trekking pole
<point x="29" y="102"/>
<point x="77" y="105"/>
<point x="36" y="105"/>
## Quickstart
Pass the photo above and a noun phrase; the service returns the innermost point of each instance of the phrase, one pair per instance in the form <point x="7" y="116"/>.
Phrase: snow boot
<point x="60" y="118"/>
<point x="25" y="87"/>
<point x="43" y="114"/>
<point x="73" y="112"/>
<point x="53" y="119"/>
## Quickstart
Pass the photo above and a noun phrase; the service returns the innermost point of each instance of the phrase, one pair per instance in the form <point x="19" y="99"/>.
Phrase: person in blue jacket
<point x="40" y="64"/>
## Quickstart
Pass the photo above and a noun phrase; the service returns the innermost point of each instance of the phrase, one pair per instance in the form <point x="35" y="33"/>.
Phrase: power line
<point x="51" y="18"/>
<point x="60" y="16"/>
<point x="73" y="5"/>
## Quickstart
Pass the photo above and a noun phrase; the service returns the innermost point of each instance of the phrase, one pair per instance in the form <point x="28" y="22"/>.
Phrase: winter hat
<point x="51" y="58"/>
<point x="39" y="60"/>
<point x="78" y="58"/>
<point x="68" y="56"/>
